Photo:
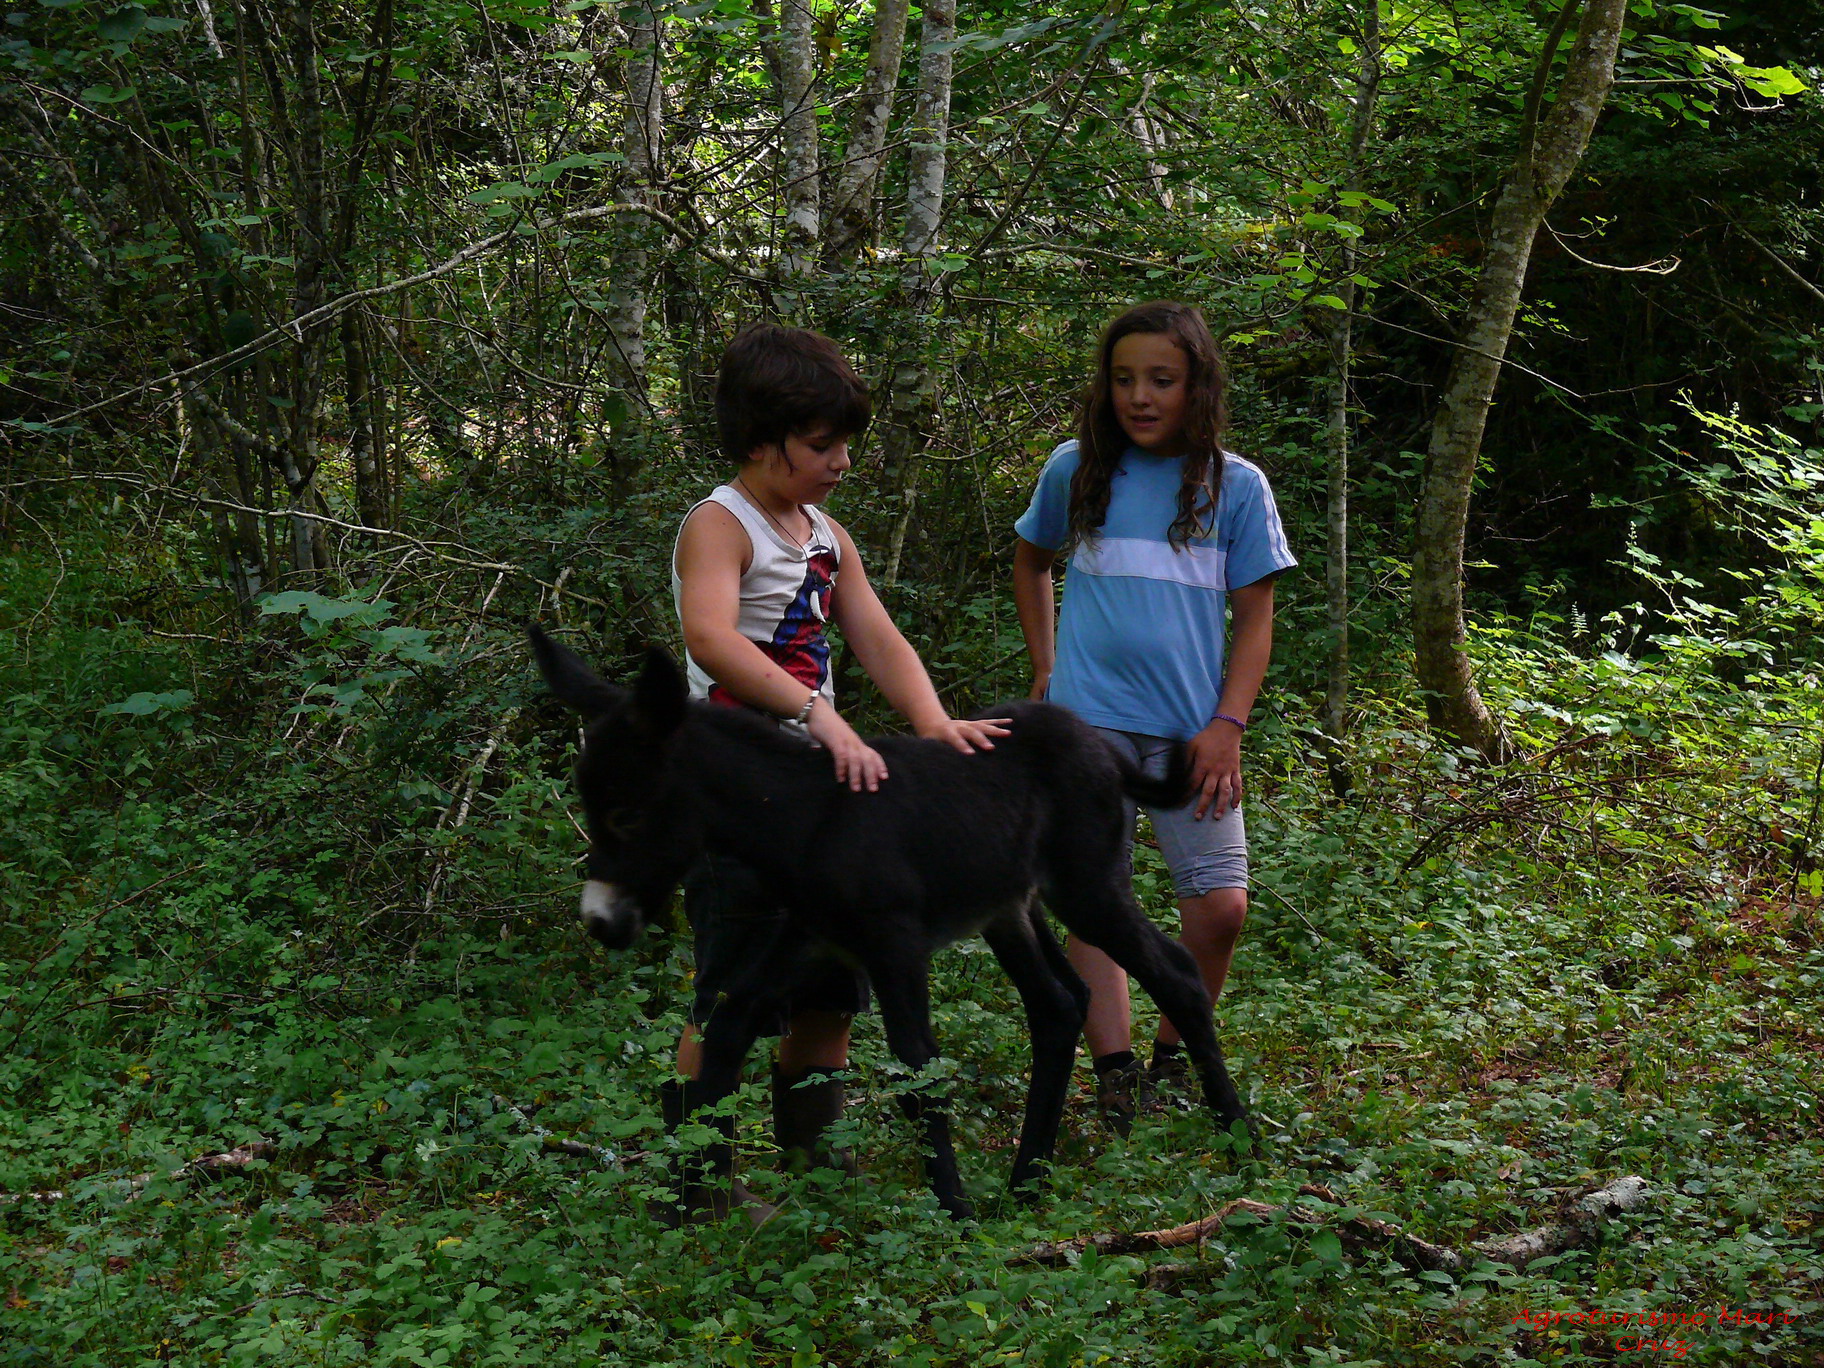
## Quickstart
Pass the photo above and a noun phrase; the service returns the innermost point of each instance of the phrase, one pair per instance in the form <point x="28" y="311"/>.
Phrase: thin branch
<point x="1651" y="268"/>
<point x="324" y="313"/>
<point x="556" y="1144"/>
<point x="418" y="543"/>
<point x="1769" y="253"/>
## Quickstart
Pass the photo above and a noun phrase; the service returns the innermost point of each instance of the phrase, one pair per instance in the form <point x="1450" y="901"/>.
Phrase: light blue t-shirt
<point x="1140" y="640"/>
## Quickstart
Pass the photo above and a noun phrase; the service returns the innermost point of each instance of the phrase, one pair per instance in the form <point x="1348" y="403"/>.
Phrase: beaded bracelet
<point x="804" y="713"/>
<point x="1236" y="721"/>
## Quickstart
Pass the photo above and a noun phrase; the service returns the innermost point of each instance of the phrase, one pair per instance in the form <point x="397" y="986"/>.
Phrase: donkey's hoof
<point x="1244" y="1142"/>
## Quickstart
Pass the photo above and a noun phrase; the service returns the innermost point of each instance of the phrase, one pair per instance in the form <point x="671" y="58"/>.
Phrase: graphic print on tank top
<point x="799" y="646"/>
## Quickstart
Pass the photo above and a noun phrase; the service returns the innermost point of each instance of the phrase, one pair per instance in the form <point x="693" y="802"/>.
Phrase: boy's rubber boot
<point x="707" y="1188"/>
<point x="804" y="1106"/>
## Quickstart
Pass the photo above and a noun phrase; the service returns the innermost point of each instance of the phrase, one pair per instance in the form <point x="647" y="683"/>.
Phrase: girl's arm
<point x="1034" y="599"/>
<point x="712" y="553"/>
<point x="891" y="662"/>
<point x="1216" y="750"/>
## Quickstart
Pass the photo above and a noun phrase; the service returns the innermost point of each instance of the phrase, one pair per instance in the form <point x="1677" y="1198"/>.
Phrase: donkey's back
<point x="960" y="835"/>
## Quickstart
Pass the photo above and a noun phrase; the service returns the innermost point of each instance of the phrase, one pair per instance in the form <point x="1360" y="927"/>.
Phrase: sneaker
<point x="1166" y="1083"/>
<point x="1117" y="1096"/>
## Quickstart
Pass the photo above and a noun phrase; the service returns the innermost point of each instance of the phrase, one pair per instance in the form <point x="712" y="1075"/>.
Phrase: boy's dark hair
<point x="776" y="381"/>
<point x="1101" y="443"/>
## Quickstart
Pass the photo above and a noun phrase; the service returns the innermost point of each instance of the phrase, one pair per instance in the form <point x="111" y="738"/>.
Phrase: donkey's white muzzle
<point x="610" y="915"/>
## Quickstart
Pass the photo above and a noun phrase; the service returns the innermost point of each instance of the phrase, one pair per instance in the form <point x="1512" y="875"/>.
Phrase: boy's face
<point x="807" y="466"/>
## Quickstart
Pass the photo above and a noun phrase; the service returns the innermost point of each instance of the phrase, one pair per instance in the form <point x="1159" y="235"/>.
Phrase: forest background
<point x="344" y="337"/>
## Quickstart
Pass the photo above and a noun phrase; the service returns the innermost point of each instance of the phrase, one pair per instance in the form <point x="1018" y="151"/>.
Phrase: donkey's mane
<point x="751" y="728"/>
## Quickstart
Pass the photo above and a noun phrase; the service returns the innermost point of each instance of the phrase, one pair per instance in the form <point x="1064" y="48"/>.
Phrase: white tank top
<point x="785" y="597"/>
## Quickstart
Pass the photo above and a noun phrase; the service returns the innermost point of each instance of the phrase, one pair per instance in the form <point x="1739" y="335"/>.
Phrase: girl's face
<point x="1146" y="383"/>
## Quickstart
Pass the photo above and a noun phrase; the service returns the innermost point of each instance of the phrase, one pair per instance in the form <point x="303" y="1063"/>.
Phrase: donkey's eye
<point x="620" y="824"/>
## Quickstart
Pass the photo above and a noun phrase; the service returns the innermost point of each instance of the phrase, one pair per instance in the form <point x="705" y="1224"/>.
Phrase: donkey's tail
<point x="1170" y="790"/>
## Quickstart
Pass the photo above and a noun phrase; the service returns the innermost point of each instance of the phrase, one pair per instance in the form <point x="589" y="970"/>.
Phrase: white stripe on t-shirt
<point x="1200" y="567"/>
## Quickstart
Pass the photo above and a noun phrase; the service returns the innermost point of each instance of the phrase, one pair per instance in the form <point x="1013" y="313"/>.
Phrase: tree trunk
<point x="642" y="143"/>
<point x="1150" y="134"/>
<point x="364" y="456"/>
<point x="1341" y="337"/>
<point x="914" y="381"/>
<point x="317" y="267"/>
<point x="1545" y="164"/>
<point x="798" y="129"/>
<point x="850" y="222"/>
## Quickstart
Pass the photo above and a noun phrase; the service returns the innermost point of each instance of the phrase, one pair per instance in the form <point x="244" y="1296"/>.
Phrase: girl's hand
<point x="968" y="736"/>
<point x="1216" y="768"/>
<point x="1040" y="683"/>
<point x="858" y="764"/>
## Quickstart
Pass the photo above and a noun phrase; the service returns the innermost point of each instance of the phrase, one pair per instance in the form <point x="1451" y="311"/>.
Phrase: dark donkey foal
<point x="952" y="845"/>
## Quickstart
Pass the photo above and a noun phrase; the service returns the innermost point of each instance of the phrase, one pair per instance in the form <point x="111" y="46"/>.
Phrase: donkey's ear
<point x="569" y="678"/>
<point x="660" y="693"/>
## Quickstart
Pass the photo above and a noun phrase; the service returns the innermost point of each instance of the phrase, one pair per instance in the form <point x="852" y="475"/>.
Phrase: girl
<point x="1162" y="529"/>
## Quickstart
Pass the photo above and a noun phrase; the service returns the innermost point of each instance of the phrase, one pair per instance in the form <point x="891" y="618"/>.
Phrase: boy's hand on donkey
<point x="858" y="764"/>
<point x="1216" y="768"/>
<point x="968" y="735"/>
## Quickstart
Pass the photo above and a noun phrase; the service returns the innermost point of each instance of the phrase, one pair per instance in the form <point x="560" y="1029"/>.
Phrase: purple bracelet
<point x="1235" y="721"/>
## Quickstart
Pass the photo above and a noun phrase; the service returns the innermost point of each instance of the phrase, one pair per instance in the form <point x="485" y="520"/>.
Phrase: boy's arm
<point x="712" y="554"/>
<point x="1216" y="750"/>
<point x="891" y="662"/>
<point x="1034" y="598"/>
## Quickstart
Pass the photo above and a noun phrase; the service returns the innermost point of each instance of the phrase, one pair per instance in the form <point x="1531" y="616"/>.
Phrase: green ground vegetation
<point x="312" y="885"/>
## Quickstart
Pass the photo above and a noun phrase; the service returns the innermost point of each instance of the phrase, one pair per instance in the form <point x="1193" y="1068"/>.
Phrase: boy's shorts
<point x="734" y="923"/>
<point x="1202" y="855"/>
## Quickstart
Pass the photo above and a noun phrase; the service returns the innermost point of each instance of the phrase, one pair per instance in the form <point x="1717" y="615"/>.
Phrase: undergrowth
<point x="309" y="886"/>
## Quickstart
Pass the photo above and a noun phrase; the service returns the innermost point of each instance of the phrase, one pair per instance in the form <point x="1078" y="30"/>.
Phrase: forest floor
<point x="1464" y="997"/>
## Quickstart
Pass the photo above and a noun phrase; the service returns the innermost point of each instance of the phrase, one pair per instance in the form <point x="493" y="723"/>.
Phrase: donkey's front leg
<point x="903" y="987"/>
<point x="1055" y="1010"/>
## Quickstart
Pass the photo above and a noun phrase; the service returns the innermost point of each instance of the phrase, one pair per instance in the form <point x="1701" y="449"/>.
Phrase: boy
<point x="757" y="573"/>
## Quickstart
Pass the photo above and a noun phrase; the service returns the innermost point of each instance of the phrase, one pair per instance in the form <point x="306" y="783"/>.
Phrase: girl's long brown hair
<point x="1101" y="442"/>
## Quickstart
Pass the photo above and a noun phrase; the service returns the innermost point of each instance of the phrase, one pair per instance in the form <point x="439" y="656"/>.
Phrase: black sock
<point x="1108" y="1063"/>
<point x="1165" y="1052"/>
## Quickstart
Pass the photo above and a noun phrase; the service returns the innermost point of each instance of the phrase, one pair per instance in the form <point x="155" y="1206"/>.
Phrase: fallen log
<point x="1581" y="1218"/>
<point x="237" y="1158"/>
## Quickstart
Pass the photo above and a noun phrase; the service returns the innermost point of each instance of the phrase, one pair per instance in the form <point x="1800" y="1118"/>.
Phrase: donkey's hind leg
<point x="1056" y="1003"/>
<point x="1109" y="919"/>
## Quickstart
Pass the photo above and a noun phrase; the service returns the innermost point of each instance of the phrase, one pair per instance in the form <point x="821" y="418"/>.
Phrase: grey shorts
<point x="1202" y="855"/>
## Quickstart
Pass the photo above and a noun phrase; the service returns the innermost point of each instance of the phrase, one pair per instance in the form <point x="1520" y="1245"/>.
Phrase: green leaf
<point x="1772" y="82"/>
<point x="145" y="704"/>
<point x="122" y="26"/>
<point x="503" y="190"/>
<point x="106" y="95"/>
<point x="320" y="609"/>
<point x="550" y="171"/>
